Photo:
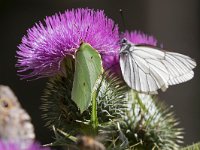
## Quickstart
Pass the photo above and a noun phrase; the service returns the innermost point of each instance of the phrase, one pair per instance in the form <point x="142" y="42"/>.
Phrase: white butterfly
<point x="146" y="68"/>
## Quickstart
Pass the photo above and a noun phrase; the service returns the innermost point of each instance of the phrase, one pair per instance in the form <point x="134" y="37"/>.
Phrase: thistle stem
<point x="94" y="117"/>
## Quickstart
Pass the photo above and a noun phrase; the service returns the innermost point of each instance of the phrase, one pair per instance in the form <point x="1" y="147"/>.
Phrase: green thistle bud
<point x="148" y="124"/>
<point x="60" y="111"/>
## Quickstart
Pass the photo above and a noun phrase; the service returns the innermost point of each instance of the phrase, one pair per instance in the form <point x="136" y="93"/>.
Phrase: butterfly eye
<point x="123" y="41"/>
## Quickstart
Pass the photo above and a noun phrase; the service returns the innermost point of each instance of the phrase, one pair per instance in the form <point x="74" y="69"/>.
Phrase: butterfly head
<point x="123" y="41"/>
<point x="125" y="46"/>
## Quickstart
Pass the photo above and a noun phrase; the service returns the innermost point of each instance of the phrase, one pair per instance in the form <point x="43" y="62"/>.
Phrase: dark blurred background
<point x="175" y="23"/>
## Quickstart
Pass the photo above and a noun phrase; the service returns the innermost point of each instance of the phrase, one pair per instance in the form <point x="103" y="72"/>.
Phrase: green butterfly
<point x="88" y="68"/>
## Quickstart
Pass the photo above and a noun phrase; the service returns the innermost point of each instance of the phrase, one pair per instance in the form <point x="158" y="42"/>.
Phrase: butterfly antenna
<point x="123" y="19"/>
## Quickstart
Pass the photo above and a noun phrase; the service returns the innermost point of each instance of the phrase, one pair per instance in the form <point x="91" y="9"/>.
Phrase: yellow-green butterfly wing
<point x="88" y="68"/>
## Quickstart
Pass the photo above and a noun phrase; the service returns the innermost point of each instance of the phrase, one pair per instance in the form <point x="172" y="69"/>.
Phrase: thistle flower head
<point x="46" y="44"/>
<point x="138" y="37"/>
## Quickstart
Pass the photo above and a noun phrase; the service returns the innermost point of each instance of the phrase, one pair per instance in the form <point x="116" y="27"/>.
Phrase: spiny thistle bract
<point x="147" y="124"/>
<point x="59" y="110"/>
<point x="111" y="102"/>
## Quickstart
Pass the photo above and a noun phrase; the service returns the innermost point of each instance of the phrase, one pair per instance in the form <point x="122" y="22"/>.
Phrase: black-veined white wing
<point x="147" y="69"/>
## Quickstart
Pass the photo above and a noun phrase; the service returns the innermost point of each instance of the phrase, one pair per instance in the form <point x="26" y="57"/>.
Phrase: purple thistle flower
<point x="46" y="45"/>
<point x="6" y="145"/>
<point x="138" y="37"/>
